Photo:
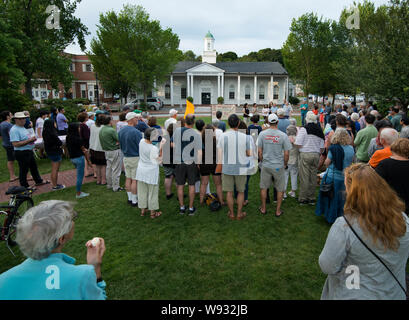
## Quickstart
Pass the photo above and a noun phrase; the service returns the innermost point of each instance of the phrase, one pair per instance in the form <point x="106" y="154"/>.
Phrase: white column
<point x="171" y="90"/>
<point x="218" y="86"/>
<point x="222" y="95"/>
<point x="238" y="90"/>
<point x="286" y="92"/>
<point x="192" y="91"/>
<point x="255" y="89"/>
<point x="272" y="88"/>
<point x="154" y="93"/>
<point x="188" y="85"/>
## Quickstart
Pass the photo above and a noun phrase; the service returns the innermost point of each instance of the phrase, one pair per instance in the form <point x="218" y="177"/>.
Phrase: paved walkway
<point x="67" y="178"/>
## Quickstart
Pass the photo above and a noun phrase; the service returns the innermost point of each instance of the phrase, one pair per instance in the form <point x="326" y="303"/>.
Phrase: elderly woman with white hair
<point x="310" y="141"/>
<point x="49" y="274"/>
<point x="355" y="119"/>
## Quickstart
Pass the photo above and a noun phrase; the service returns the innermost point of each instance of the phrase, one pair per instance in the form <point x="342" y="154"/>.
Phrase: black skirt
<point x="98" y="158"/>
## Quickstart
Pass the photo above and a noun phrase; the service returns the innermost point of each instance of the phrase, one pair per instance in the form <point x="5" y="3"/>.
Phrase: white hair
<point x="355" y="116"/>
<point x="39" y="230"/>
<point x="389" y="135"/>
<point x="310" y="117"/>
<point x="280" y="112"/>
<point x="215" y="122"/>
<point x="293" y="122"/>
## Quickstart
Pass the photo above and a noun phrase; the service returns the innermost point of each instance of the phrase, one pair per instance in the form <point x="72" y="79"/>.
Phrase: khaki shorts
<point x="131" y="164"/>
<point x="266" y="179"/>
<point x="228" y="183"/>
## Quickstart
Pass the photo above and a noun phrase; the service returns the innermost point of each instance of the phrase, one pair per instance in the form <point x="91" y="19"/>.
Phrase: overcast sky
<point x="237" y="25"/>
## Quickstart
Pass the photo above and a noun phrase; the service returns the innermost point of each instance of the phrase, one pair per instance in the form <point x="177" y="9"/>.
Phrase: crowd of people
<point x="358" y="158"/>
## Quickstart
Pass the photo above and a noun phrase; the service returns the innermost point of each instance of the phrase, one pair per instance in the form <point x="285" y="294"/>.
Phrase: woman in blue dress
<point x="340" y="156"/>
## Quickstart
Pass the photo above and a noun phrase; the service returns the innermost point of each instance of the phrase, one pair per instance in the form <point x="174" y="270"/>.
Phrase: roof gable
<point x="205" y="68"/>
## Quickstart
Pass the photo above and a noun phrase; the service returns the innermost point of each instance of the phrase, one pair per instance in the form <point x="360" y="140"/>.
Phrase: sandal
<point x="156" y="214"/>
<point x="231" y="216"/>
<point x="281" y="213"/>
<point x="12" y="180"/>
<point x="42" y="183"/>
<point x="242" y="216"/>
<point x="263" y="213"/>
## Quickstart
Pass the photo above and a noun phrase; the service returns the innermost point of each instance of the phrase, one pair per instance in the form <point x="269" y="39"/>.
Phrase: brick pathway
<point x="67" y="178"/>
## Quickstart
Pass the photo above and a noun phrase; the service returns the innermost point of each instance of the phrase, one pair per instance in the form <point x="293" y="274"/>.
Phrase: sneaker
<point x="292" y="194"/>
<point x="135" y="205"/>
<point x="129" y="201"/>
<point x="303" y="202"/>
<point x="192" y="211"/>
<point x="285" y="195"/>
<point x="59" y="187"/>
<point x="82" y="195"/>
<point x="170" y="196"/>
<point x="311" y="202"/>
<point x="182" y="211"/>
<point x="119" y="189"/>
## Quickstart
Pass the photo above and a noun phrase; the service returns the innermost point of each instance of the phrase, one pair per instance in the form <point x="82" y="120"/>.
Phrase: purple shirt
<point x="61" y="124"/>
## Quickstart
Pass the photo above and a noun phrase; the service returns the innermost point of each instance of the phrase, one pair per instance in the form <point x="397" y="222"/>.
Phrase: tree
<point x="140" y="50"/>
<point x="229" y="56"/>
<point x="11" y="77"/>
<point x="42" y="48"/>
<point x="308" y="53"/>
<point x="189" y="56"/>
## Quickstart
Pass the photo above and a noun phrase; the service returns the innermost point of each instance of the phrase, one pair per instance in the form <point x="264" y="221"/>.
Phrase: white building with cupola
<point x="236" y="82"/>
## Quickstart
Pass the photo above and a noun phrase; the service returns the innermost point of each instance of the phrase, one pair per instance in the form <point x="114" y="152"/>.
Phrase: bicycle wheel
<point x="21" y="208"/>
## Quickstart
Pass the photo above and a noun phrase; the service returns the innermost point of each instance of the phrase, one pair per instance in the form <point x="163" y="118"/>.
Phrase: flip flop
<point x="42" y="183"/>
<point x="156" y="215"/>
<point x="281" y="213"/>
<point x="242" y="216"/>
<point x="263" y="213"/>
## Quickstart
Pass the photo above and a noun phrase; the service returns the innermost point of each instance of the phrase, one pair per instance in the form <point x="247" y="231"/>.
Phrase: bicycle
<point x="18" y="205"/>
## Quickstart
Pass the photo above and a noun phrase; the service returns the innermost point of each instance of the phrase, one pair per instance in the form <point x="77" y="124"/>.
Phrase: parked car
<point x="153" y="103"/>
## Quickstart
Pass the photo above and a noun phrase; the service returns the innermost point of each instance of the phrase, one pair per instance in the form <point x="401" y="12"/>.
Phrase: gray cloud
<point x="239" y="26"/>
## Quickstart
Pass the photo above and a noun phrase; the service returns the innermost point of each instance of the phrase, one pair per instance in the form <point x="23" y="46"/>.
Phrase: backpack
<point x="213" y="202"/>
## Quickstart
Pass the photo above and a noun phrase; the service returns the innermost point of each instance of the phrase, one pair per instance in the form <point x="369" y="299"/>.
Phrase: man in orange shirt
<point x="387" y="138"/>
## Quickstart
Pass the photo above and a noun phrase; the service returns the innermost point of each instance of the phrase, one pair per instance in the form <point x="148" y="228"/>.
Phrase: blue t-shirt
<point x="5" y="133"/>
<point x="222" y="126"/>
<point x="273" y="109"/>
<point x="186" y="137"/>
<point x="283" y="124"/>
<point x="18" y="134"/>
<point x="304" y="109"/>
<point x="348" y="157"/>
<point x="129" y="138"/>
<point x="254" y="127"/>
<point x="53" y="278"/>
<point x="141" y="126"/>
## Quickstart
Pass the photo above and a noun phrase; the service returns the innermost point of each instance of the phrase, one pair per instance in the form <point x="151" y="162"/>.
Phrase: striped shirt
<point x="309" y="142"/>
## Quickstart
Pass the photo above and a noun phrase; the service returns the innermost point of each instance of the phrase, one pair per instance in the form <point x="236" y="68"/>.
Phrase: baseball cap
<point x="137" y="111"/>
<point x="272" y="118"/>
<point x="130" y="116"/>
<point x="172" y="112"/>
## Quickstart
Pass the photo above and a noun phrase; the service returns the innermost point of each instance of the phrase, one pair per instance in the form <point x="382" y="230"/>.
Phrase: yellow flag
<point x="190" y="108"/>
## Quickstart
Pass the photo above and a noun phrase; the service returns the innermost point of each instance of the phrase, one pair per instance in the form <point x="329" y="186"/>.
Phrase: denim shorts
<point x="55" y="157"/>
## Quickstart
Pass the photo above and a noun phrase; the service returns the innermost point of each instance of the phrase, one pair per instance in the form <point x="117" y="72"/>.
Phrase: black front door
<point x="205" y="98"/>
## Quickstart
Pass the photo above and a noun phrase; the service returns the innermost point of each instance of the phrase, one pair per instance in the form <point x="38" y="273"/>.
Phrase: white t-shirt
<point x="169" y="122"/>
<point x="39" y="125"/>
<point x="89" y="123"/>
<point x="148" y="166"/>
<point x="218" y="133"/>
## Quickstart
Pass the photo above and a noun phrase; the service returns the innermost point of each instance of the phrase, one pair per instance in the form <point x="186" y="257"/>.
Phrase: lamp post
<point x="97" y="88"/>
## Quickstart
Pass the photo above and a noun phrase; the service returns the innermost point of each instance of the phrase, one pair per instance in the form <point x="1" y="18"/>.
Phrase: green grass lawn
<point x="202" y="257"/>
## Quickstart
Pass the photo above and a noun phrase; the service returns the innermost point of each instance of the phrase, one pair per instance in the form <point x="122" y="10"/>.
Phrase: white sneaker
<point x="292" y="194"/>
<point x="82" y="195"/>
<point x="285" y="195"/>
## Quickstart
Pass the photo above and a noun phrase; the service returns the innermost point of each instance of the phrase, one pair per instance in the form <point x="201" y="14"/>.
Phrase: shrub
<point x="293" y="100"/>
<point x="220" y="100"/>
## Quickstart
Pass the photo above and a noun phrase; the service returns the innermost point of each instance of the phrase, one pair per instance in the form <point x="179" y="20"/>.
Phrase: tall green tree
<point x="41" y="51"/>
<point x="229" y="56"/>
<point x="11" y="77"/>
<point x="140" y="50"/>
<point x="308" y="52"/>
